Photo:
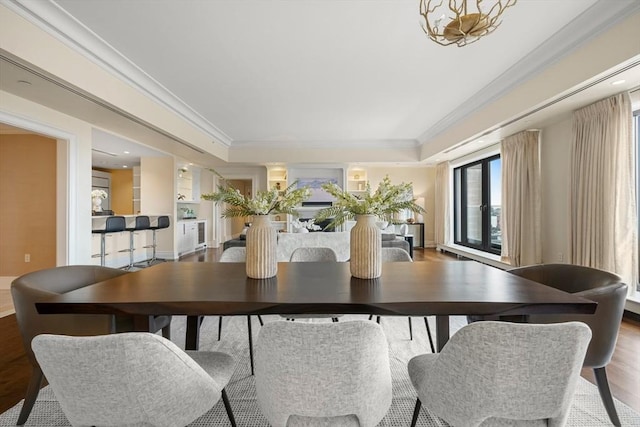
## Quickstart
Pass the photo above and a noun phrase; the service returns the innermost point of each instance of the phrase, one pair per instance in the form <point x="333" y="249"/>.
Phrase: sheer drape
<point x="520" y="222"/>
<point x="441" y="221"/>
<point x="603" y="205"/>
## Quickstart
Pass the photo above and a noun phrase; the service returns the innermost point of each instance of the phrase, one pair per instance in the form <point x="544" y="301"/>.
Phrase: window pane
<point x="474" y="204"/>
<point x="495" y="188"/>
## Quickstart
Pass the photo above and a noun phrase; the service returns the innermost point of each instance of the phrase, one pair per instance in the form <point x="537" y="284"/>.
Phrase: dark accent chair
<point x="600" y="286"/>
<point x="43" y="284"/>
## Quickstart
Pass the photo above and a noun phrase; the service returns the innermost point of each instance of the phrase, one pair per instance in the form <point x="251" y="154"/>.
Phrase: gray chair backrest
<point x="43" y="284"/>
<point x="124" y="379"/>
<point x="395" y="255"/>
<point x="323" y="370"/>
<point x="313" y="255"/>
<point x="506" y="370"/>
<point x="600" y="286"/>
<point x="142" y="222"/>
<point x="115" y="224"/>
<point x="163" y="221"/>
<point x="234" y="254"/>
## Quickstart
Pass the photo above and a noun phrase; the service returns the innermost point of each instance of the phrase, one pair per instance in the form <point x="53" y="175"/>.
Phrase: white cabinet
<point x="191" y="235"/>
<point x="187" y="236"/>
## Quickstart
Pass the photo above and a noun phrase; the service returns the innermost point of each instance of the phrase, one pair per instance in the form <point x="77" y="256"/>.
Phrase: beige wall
<point x="27" y="203"/>
<point x="423" y="181"/>
<point x="158" y="186"/>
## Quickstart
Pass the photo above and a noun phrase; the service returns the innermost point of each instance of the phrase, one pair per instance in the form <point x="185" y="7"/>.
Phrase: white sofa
<point x="338" y="241"/>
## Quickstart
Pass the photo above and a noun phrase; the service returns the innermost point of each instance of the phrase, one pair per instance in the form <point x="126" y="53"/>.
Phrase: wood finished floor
<point x="623" y="371"/>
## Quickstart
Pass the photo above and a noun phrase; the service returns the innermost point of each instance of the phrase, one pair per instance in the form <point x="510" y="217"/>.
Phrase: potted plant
<point x="261" y="262"/>
<point x="366" y="240"/>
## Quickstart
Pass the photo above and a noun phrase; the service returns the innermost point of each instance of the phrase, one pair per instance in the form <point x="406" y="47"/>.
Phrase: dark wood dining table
<point x="197" y="289"/>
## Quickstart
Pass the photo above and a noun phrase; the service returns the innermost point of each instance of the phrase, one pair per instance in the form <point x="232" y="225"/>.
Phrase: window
<point x="477" y="205"/>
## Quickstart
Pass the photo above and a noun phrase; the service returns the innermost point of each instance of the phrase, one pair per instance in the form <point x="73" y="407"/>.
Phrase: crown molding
<point x="50" y="17"/>
<point x="383" y="144"/>
<point x="597" y="19"/>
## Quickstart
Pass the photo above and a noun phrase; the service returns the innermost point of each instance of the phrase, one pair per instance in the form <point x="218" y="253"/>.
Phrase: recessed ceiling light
<point x="125" y="166"/>
<point x="125" y="152"/>
<point x="190" y="164"/>
<point x="618" y="82"/>
<point x="24" y="82"/>
<point x="480" y="141"/>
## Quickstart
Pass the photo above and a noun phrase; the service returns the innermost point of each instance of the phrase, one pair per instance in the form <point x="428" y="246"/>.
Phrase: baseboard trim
<point x="630" y="315"/>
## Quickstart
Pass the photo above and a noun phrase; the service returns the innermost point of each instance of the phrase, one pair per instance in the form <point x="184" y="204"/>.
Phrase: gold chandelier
<point x="465" y="26"/>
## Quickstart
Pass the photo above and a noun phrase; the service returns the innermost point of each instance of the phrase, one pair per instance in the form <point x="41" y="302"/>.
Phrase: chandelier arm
<point x="464" y="28"/>
<point x="499" y="5"/>
<point x="431" y="32"/>
<point x="459" y="10"/>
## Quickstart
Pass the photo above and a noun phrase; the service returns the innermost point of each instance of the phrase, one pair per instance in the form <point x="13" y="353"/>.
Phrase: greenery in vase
<point x="387" y="200"/>
<point x="263" y="203"/>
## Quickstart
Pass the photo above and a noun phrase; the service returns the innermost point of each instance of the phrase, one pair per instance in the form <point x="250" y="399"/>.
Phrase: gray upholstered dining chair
<point x="499" y="374"/>
<point x="132" y="378"/>
<point x="313" y="254"/>
<point x="600" y="286"/>
<point x="43" y="284"/>
<point x="313" y="374"/>
<point x="234" y="254"/>
<point x="238" y="254"/>
<point x="400" y="255"/>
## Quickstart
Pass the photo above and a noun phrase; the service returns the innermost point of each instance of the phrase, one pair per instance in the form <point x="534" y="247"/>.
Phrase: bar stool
<point x="162" y="223"/>
<point x="141" y="223"/>
<point x="114" y="224"/>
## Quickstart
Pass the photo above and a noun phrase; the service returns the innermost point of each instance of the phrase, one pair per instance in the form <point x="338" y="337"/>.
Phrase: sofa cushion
<point x="338" y="241"/>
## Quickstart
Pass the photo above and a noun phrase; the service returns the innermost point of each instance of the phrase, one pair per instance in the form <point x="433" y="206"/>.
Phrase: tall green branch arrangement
<point x="387" y="200"/>
<point x="263" y="203"/>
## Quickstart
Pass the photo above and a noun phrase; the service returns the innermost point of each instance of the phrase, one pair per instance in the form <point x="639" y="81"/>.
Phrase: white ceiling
<point x="313" y="73"/>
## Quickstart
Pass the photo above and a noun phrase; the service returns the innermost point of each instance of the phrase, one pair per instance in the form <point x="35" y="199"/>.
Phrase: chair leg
<point x="227" y="406"/>
<point x="32" y="394"/>
<point x="334" y="319"/>
<point x="605" y="395"/>
<point x="378" y="320"/>
<point x="219" y="327"/>
<point x="166" y="332"/>
<point x="416" y="412"/>
<point x="250" y="343"/>
<point x="433" y="348"/>
<point x="370" y="316"/>
<point x="410" y="329"/>
<point x="260" y="320"/>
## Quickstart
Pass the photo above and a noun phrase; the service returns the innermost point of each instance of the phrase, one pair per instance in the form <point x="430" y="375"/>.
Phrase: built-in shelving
<point x="136" y="189"/>
<point x="357" y="181"/>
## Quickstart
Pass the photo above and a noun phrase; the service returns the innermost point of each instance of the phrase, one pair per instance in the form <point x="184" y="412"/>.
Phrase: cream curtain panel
<point x="441" y="220"/>
<point x="520" y="222"/>
<point x="603" y="204"/>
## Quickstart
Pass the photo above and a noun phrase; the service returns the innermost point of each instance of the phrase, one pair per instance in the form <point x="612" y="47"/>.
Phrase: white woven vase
<point x="262" y="257"/>
<point x="366" y="248"/>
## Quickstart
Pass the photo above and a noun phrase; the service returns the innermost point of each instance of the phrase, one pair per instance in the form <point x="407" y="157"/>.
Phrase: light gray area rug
<point x="587" y="409"/>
